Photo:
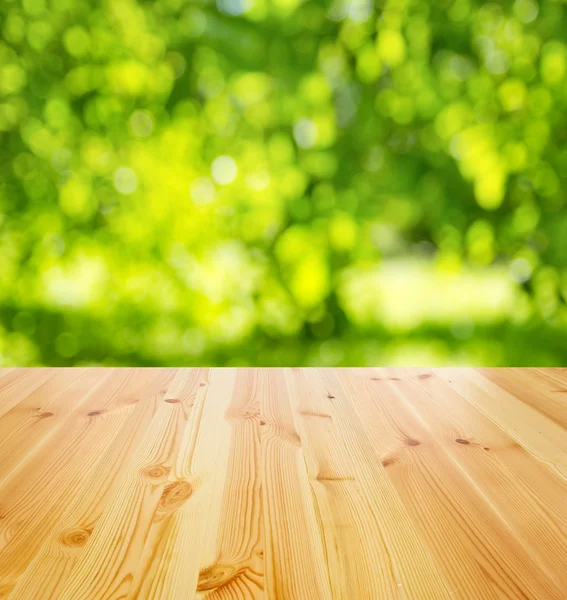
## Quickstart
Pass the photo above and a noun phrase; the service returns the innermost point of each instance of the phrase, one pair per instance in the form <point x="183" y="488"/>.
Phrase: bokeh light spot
<point x="125" y="180"/>
<point x="66" y="345"/>
<point x="224" y="170"/>
<point x="520" y="270"/>
<point x="526" y="10"/>
<point x="202" y="191"/>
<point x="305" y="133"/>
<point x="232" y="7"/>
<point x="141" y="123"/>
<point x="77" y="41"/>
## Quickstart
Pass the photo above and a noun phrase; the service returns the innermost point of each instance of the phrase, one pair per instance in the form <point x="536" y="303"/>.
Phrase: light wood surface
<point x="299" y="484"/>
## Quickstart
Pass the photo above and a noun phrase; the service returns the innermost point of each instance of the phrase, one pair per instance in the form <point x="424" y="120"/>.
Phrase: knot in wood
<point x="216" y="576"/>
<point x="156" y="473"/>
<point x="411" y="442"/>
<point x="75" y="538"/>
<point x="249" y="414"/>
<point x="174" y="495"/>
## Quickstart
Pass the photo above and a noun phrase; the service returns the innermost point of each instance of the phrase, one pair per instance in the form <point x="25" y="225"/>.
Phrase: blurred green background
<point x="277" y="182"/>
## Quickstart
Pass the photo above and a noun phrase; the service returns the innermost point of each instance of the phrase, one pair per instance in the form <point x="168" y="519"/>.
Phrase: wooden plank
<point x="365" y="529"/>
<point x="557" y="375"/>
<point x="135" y="401"/>
<point x="15" y="374"/>
<point x="295" y="566"/>
<point x="18" y="383"/>
<point x="170" y="564"/>
<point x="233" y="565"/>
<point x="536" y="433"/>
<point x="106" y="566"/>
<point x="532" y="388"/>
<point x="25" y="427"/>
<point x="527" y="495"/>
<point x="475" y="549"/>
<point x="33" y="499"/>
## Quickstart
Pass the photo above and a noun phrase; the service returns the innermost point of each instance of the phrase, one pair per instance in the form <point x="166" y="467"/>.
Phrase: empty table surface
<point x="300" y="484"/>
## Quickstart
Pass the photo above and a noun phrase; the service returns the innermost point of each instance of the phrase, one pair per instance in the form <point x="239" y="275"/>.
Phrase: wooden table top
<point x="303" y="484"/>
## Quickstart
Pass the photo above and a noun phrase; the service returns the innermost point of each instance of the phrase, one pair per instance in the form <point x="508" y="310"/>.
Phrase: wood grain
<point x="300" y="484"/>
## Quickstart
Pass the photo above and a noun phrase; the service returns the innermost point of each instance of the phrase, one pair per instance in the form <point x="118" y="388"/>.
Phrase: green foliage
<point x="283" y="182"/>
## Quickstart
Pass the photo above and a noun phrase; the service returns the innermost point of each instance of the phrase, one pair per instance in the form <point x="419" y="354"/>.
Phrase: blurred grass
<point x="259" y="182"/>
